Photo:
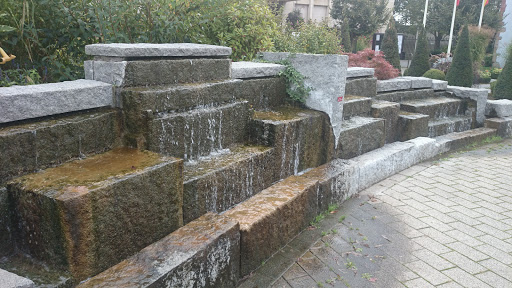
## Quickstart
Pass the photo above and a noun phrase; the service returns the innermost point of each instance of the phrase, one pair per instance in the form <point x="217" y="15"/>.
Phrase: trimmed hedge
<point x="390" y="45"/>
<point x="435" y="74"/>
<point x="419" y="63"/>
<point x="461" y="70"/>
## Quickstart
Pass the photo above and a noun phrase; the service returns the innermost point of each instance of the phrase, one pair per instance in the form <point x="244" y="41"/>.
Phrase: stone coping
<point x="498" y="108"/>
<point x="354" y="72"/>
<point x="438" y="85"/>
<point x="419" y="82"/>
<point x="27" y="102"/>
<point x="394" y="84"/>
<point x="12" y="280"/>
<point x="477" y="95"/>
<point x="244" y="69"/>
<point x="140" y="50"/>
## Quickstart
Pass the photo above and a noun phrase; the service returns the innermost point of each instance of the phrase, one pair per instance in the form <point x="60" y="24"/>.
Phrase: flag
<point x="486" y="2"/>
<point x="458" y="2"/>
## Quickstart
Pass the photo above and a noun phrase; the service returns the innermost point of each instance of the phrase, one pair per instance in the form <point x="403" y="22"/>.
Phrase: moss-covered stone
<point x="89" y="214"/>
<point x="264" y="93"/>
<point x="412" y="125"/>
<point x="6" y="245"/>
<point x="389" y="112"/>
<point x="360" y="135"/>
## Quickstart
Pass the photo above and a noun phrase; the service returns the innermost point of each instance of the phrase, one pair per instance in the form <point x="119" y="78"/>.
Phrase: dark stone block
<point x="365" y="87"/>
<point x="6" y="245"/>
<point x="389" y="112"/>
<point x="360" y="135"/>
<point x="503" y="126"/>
<point x="412" y="125"/>
<point x="439" y="107"/>
<point x="356" y="106"/>
<point x="264" y="93"/>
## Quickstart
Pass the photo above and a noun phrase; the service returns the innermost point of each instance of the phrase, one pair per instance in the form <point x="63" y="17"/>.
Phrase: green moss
<point x="281" y="114"/>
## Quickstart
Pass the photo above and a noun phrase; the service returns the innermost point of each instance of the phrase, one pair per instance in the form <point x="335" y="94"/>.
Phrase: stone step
<point x="404" y="95"/>
<point x="389" y="112"/>
<point x="459" y="140"/>
<point x="442" y="126"/>
<point x="356" y="106"/>
<point x="502" y="125"/>
<point x="193" y="134"/>
<point x="411" y="125"/>
<point x="439" y="107"/>
<point x="217" y="183"/>
<point x="302" y="138"/>
<point x="29" y="147"/>
<point x="360" y="135"/>
<point x="203" y="253"/>
<point x="87" y="215"/>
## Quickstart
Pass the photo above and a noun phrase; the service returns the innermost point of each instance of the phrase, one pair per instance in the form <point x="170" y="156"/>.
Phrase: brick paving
<point x="444" y="223"/>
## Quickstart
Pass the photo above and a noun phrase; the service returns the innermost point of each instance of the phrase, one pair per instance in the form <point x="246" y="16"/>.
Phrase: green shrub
<point x="19" y="76"/>
<point x="488" y="60"/>
<point x="345" y="36"/>
<point x="435" y="74"/>
<point x="390" y="45"/>
<point x="495" y="73"/>
<point x="479" y="39"/>
<point x="493" y="87"/>
<point x="309" y="37"/>
<point x="484" y="76"/>
<point x="461" y="69"/>
<point x="503" y="88"/>
<point x="419" y="64"/>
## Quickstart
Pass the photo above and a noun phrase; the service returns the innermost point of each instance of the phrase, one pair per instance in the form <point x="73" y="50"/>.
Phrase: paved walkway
<point x="446" y="223"/>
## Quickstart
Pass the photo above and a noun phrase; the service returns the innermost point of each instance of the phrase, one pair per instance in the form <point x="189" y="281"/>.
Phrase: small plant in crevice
<point x="295" y="86"/>
<point x="332" y="208"/>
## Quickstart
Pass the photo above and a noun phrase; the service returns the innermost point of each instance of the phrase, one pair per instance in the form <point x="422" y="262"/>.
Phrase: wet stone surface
<point x="412" y="125"/>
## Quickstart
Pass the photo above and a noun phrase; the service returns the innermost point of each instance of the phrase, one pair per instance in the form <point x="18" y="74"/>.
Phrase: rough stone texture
<point x="88" y="215"/>
<point x="447" y="125"/>
<point x="244" y="69"/>
<point x="33" y="101"/>
<point x="439" y="85"/>
<point x="419" y="82"/>
<point x="503" y="126"/>
<point x="356" y="106"/>
<point x="355" y="72"/>
<point x="263" y="94"/>
<point x="204" y="253"/>
<point x="200" y="132"/>
<point x="412" y="125"/>
<point x="394" y="84"/>
<point x="477" y="95"/>
<point x="326" y="74"/>
<point x="218" y="183"/>
<point x="365" y="87"/>
<point x="360" y="135"/>
<point x="272" y="218"/>
<point x="112" y="72"/>
<point x="458" y="140"/>
<point x="5" y="224"/>
<point x="498" y="108"/>
<point x="399" y="96"/>
<point x="143" y="50"/>
<point x="294" y="134"/>
<point x="389" y="112"/>
<point x="439" y="107"/>
<point x="29" y="147"/>
<point x="11" y="280"/>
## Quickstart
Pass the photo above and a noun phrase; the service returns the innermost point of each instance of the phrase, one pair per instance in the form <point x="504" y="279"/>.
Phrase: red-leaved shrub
<point x="369" y="59"/>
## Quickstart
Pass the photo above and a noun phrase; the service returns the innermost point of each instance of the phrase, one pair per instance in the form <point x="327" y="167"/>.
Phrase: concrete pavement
<point x="444" y="223"/>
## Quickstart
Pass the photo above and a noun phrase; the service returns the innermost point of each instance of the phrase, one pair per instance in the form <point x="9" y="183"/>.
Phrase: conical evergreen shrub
<point x="461" y="69"/>
<point x="503" y="89"/>
<point x="345" y="37"/>
<point x="419" y="63"/>
<point x="390" y="45"/>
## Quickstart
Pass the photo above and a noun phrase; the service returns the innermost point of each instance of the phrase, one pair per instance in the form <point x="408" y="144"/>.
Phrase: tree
<point x="364" y="16"/>
<point x="345" y="36"/>
<point x="419" y="63"/>
<point x="503" y="89"/>
<point x="390" y="45"/>
<point x="461" y="70"/>
<point x="439" y="16"/>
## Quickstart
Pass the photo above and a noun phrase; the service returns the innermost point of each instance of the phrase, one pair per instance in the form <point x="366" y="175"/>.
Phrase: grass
<point x="330" y="210"/>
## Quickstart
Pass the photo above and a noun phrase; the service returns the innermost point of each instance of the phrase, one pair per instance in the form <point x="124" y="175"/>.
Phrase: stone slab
<point x="29" y="147"/>
<point x="412" y="125"/>
<point x="245" y="69"/>
<point x="33" y="101"/>
<point x="263" y="93"/>
<point x="215" y="184"/>
<point x="419" y="82"/>
<point x="365" y="87"/>
<point x="11" y="280"/>
<point x="498" y="108"/>
<point x="459" y="140"/>
<point x="204" y="253"/>
<point x="389" y="112"/>
<point x="92" y="213"/>
<point x="436" y="107"/>
<point x="394" y="84"/>
<point x="273" y="217"/>
<point x="356" y="106"/>
<point x="503" y="126"/>
<point x="448" y="125"/>
<point x="399" y="96"/>
<point x="439" y="85"/>
<point x="360" y="135"/>
<point x="326" y="75"/>
<point x="143" y="50"/>
<point x="355" y="72"/>
<point x="477" y="95"/>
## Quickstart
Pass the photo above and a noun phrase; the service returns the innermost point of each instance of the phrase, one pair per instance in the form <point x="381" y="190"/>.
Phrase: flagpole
<point x="481" y="15"/>
<point x="425" y="14"/>
<point x="451" y="29"/>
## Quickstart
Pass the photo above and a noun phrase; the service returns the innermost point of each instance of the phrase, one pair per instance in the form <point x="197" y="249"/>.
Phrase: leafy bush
<point x="435" y="74"/>
<point x="461" y="69"/>
<point x="390" y="45"/>
<point x="495" y="73"/>
<point x="488" y="60"/>
<point x="345" y="37"/>
<point x="503" y="88"/>
<point x="478" y="41"/>
<point x="369" y="59"/>
<point x="493" y="87"/>
<point x="309" y="37"/>
<point x="19" y="76"/>
<point x="419" y="63"/>
<point x="484" y="76"/>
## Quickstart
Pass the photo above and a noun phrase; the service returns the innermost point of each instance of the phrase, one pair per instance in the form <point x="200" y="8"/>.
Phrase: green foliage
<point x="390" y="45"/>
<point x="435" y="74"/>
<point x="420" y="64"/>
<point x="363" y="16"/>
<point x="308" y="37"/>
<point x="484" y="76"/>
<point x="503" y="88"/>
<point x="478" y="41"/>
<point x="345" y="37"/>
<point x="19" y="76"/>
<point x="295" y="87"/>
<point x="461" y="69"/>
<point x="493" y="87"/>
<point x="488" y="60"/>
<point x="495" y="73"/>
<point x="294" y="18"/>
